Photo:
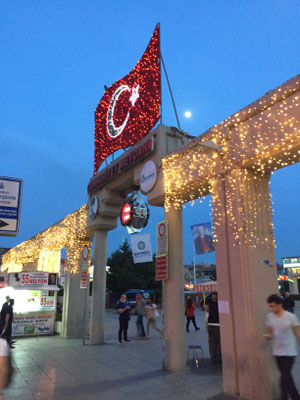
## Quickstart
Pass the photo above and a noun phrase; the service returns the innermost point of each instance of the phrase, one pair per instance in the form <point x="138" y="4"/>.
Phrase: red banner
<point x="129" y="108"/>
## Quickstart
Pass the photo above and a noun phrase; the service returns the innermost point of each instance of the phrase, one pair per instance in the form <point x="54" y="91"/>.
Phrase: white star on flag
<point x="135" y="95"/>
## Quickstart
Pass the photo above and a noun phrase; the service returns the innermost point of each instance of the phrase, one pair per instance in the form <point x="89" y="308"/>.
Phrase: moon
<point x="187" y="114"/>
<point x="112" y="130"/>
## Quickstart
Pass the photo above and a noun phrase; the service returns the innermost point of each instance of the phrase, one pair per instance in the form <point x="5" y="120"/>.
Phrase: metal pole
<point x="194" y="255"/>
<point x="174" y="106"/>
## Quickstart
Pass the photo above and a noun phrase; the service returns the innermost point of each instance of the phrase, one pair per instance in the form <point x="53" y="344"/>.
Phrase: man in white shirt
<point x="283" y="328"/>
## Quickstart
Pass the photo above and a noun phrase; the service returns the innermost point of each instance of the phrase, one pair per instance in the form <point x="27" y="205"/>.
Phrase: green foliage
<point x="124" y="274"/>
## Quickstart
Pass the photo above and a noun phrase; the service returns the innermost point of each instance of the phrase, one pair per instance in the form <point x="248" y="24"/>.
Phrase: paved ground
<point x="52" y="368"/>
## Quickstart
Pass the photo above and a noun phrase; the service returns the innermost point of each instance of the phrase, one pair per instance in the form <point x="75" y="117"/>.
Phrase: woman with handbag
<point x="124" y="317"/>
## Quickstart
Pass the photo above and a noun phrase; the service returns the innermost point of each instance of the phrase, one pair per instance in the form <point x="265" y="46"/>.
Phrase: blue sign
<point x="10" y="205"/>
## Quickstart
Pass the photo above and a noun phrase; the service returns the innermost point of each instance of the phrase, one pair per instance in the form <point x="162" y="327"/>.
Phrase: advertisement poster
<point x="141" y="248"/>
<point x="34" y="323"/>
<point x="202" y="236"/>
<point x="38" y="280"/>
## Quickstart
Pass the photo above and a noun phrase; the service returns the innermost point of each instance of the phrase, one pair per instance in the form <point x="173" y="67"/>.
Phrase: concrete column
<point x="99" y="288"/>
<point x="242" y="211"/>
<point x="173" y="297"/>
<point x="73" y="306"/>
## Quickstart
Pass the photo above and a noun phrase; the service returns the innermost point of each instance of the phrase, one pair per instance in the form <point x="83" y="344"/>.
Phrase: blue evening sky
<point x="57" y="55"/>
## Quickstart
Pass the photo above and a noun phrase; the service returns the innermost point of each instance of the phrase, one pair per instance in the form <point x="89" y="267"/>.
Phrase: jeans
<point x="140" y="325"/>
<point x="188" y="320"/>
<point x="287" y="385"/>
<point x="123" y="328"/>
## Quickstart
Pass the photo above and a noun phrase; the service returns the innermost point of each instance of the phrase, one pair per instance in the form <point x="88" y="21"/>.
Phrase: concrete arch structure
<point x="233" y="161"/>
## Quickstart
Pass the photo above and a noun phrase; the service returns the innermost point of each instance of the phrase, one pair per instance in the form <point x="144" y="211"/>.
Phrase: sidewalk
<point x="52" y="368"/>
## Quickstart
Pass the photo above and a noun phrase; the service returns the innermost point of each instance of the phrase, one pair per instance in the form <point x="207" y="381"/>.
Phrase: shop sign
<point x="141" y="248"/>
<point x="33" y="323"/>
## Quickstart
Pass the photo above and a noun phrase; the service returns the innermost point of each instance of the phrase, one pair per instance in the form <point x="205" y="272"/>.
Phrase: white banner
<point x="33" y="323"/>
<point x="141" y="248"/>
<point x="38" y="280"/>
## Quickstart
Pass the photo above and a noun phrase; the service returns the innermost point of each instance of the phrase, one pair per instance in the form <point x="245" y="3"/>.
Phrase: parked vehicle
<point x="132" y="293"/>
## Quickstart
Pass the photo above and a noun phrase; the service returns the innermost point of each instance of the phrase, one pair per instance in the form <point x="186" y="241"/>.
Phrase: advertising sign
<point x="33" y="323"/>
<point x="291" y="262"/>
<point x="162" y="238"/>
<point x="141" y="248"/>
<point x="10" y="204"/>
<point x="202" y="236"/>
<point x="36" y="280"/>
<point x="148" y="176"/>
<point x="161" y="268"/>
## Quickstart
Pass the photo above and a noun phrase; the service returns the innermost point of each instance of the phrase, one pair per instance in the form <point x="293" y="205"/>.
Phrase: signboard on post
<point x="83" y="280"/>
<point x="162" y="238"/>
<point x="161" y="268"/>
<point x="10" y="204"/>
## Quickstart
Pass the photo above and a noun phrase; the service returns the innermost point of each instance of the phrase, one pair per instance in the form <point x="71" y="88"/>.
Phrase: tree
<point x="123" y="274"/>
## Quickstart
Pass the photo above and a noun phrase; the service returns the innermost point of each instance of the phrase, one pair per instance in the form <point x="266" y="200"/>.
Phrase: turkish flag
<point x="129" y="108"/>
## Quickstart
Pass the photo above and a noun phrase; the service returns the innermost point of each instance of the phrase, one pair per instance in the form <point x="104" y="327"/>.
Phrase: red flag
<point x="129" y="108"/>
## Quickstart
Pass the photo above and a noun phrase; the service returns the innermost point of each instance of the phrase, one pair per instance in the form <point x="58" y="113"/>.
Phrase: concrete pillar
<point x="73" y="307"/>
<point x="242" y="210"/>
<point x="99" y="288"/>
<point x="173" y="296"/>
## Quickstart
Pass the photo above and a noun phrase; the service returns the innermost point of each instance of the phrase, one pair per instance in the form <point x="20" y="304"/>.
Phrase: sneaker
<point x="127" y="340"/>
<point x="147" y="337"/>
<point x="120" y="341"/>
<point x="197" y="329"/>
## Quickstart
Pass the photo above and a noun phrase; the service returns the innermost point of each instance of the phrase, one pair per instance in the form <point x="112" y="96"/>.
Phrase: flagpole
<point x="161" y="108"/>
<point x="170" y="90"/>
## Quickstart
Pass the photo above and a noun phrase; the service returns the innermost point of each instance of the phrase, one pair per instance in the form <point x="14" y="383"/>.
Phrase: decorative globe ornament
<point x="134" y="213"/>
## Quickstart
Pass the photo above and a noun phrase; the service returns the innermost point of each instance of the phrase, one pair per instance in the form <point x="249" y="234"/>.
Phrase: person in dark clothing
<point x="288" y="302"/>
<point x="8" y="319"/>
<point x="124" y="317"/>
<point x="214" y="339"/>
<point x="3" y="313"/>
<point x="190" y="314"/>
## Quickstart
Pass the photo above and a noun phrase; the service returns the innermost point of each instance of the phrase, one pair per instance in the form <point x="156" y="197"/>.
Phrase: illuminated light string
<point x="270" y="126"/>
<point x="130" y="107"/>
<point x="43" y="251"/>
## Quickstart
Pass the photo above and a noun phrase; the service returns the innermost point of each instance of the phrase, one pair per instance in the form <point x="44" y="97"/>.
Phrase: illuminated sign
<point x="129" y="108"/>
<point x="291" y="262"/>
<point x="124" y="163"/>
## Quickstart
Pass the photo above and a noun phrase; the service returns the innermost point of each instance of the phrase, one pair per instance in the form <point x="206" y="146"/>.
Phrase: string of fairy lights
<point x="254" y="142"/>
<point x="43" y="251"/>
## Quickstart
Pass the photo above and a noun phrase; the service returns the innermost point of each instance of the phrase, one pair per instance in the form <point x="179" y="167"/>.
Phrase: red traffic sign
<point x="161" y="268"/>
<point x="85" y="253"/>
<point x="83" y="280"/>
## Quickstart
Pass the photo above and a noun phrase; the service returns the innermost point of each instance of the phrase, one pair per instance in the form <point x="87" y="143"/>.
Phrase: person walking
<point x="190" y="314"/>
<point x="140" y="310"/>
<point x="152" y="314"/>
<point x="124" y="317"/>
<point x="214" y="339"/>
<point x="283" y="328"/>
<point x="8" y="319"/>
<point x="288" y="302"/>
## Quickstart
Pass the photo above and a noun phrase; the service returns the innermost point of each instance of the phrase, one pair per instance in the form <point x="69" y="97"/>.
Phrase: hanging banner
<point x="141" y="248"/>
<point x="202" y="236"/>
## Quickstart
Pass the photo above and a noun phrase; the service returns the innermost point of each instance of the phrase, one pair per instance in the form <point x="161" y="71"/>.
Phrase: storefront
<point x="292" y="266"/>
<point x="35" y="298"/>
